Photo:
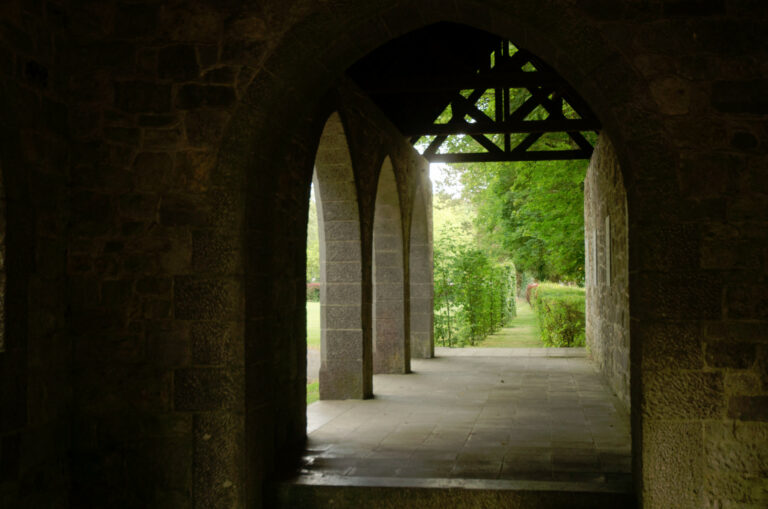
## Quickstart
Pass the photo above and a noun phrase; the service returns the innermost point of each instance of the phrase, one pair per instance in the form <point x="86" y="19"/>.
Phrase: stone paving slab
<point x="522" y="414"/>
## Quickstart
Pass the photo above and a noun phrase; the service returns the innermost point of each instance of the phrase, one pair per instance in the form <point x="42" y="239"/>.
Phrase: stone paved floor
<point x="509" y="414"/>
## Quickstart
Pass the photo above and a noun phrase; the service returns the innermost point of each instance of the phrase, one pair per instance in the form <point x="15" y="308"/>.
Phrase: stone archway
<point x="343" y="372"/>
<point x="560" y="35"/>
<point x="391" y="345"/>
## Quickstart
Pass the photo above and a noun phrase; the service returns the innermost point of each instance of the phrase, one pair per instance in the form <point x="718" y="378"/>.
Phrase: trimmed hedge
<point x="560" y="313"/>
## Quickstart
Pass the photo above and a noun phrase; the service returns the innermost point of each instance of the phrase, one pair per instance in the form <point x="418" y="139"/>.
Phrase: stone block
<point x="388" y="292"/>
<point x="152" y="171"/>
<point x="163" y="137"/>
<point x="154" y="286"/>
<point x="343" y="272"/>
<point x="207" y="389"/>
<point x="670" y="246"/>
<point x="742" y="383"/>
<point x="196" y="170"/>
<point x="204" y="127"/>
<point x="677" y="296"/>
<point x="343" y="344"/>
<point x="207" y="299"/>
<point x="342" y="251"/>
<point x="733" y="449"/>
<point x="336" y="191"/>
<point x="421" y="293"/>
<point x="221" y="75"/>
<point x="217" y="343"/>
<point x="196" y="96"/>
<point x="218" y="459"/>
<point x="114" y="388"/>
<point x="342" y="379"/>
<point x="343" y="294"/>
<point x="672" y="94"/>
<point x="178" y="63"/>
<point x="344" y="210"/>
<point x="139" y="206"/>
<point x="672" y="464"/>
<point x="170" y="348"/>
<point x="421" y="321"/>
<point x="740" y="96"/>
<point x="116" y="293"/>
<point x="730" y="354"/>
<point x="388" y="275"/>
<point x="333" y="168"/>
<point x="342" y="230"/>
<point x="383" y="258"/>
<point x="342" y="317"/>
<point x="748" y="408"/>
<point x="135" y="20"/>
<point x="123" y="135"/>
<point x="670" y="345"/>
<point x="731" y="254"/>
<point x="389" y="310"/>
<point x="736" y="331"/>
<point x="684" y="395"/>
<point x="747" y="301"/>
<point x="215" y="252"/>
<point x="180" y="210"/>
<point x="10" y="457"/>
<point x="142" y="97"/>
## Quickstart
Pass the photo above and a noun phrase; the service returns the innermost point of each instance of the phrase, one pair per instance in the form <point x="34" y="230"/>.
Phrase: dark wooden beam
<point x="520" y="126"/>
<point x="532" y="155"/>
<point x="466" y="81"/>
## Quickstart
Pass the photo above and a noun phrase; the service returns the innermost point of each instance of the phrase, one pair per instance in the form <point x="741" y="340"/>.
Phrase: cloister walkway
<point x="526" y="414"/>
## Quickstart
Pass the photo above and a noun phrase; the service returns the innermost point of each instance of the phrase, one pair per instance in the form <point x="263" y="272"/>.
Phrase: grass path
<point x="522" y="332"/>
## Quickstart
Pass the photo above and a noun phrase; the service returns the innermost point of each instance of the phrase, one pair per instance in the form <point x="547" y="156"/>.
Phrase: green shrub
<point x="313" y="292"/>
<point x="560" y="313"/>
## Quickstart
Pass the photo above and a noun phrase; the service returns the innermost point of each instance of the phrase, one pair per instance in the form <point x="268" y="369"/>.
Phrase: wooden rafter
<point x="547" y="90"/>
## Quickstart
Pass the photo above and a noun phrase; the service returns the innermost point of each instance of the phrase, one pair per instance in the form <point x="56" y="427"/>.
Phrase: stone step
<point x="323" y="491"/>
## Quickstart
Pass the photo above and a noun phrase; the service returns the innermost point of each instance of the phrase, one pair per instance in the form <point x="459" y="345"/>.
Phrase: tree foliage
<point x="313" y="243"/>
<point x="535" y="212"/>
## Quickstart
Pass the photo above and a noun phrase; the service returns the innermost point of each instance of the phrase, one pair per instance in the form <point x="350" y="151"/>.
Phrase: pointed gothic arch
<point x="391" y="344"/>
<point x="345" y="358"/>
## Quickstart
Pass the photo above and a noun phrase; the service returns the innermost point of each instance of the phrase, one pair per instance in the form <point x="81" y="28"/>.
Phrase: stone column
<point x="420" y="259"/>
<point x="391" y="347"/>
<point x="343" y="372"/>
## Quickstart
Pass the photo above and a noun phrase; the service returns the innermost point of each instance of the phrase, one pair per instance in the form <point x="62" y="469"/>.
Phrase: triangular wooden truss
<point x="508" y="68"/>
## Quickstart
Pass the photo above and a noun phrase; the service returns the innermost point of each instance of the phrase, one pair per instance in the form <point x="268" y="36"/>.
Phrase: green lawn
<point x="313" y="392"/>
<point x="522" y="332"/>
<point x="313" y="325"/>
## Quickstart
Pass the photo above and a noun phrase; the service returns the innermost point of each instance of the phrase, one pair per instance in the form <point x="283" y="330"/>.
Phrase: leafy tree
<point x="313" y="243"/>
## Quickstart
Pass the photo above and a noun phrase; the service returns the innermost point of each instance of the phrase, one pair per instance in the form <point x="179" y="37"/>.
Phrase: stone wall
<point x="36" y="352"/>
<point x="607" y="268"/>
